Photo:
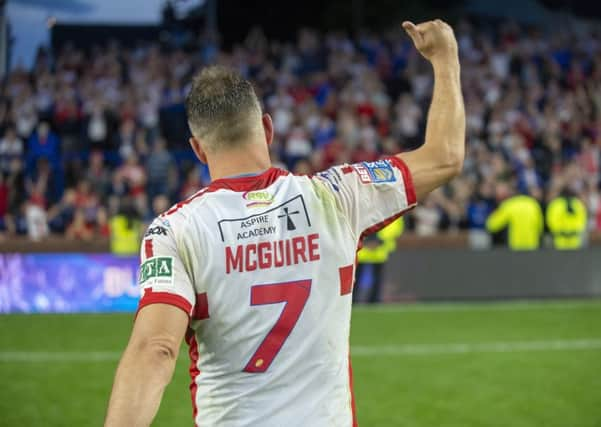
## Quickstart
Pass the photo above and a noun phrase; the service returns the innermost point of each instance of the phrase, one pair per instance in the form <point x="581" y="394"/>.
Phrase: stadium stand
<point x="83" y="131"/>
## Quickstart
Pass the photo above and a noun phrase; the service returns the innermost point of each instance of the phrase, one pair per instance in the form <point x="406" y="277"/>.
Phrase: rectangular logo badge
<point x="157" y="271"/>
<point x="375" y="172"/>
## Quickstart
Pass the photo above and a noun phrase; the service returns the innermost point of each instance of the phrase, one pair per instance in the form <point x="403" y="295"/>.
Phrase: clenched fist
<point x="435" y="40"/>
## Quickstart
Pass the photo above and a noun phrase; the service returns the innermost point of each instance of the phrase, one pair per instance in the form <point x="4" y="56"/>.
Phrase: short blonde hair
<point x="222" y="108"/>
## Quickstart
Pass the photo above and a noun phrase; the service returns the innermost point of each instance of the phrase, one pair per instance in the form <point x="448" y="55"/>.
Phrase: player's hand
<point x="435" y="40"/>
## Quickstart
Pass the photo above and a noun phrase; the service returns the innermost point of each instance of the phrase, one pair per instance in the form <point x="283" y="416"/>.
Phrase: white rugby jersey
<point x="263" y="265"/>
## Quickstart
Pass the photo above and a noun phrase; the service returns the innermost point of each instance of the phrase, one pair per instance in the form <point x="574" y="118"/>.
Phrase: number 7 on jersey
<point x="295" y="294"/>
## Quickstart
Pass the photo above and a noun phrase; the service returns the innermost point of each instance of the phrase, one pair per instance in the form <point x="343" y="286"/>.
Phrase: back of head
<point x="223" y="109"/>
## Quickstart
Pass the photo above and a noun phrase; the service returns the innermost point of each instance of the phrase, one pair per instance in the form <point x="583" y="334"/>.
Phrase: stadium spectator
<point x="372" y="257"/>
<point x="191" y="185"/>
<point x="126" y="138"/>
<point x="97" y="127"/>
<point x="14" y="221"/>
<point x="87" y="202"/>
<point x="479" y="208"/>
<point x="125" y="229"/>
<point x="593" y="202"/>
<point x="521" y="217"/>
<point x="4" y="191"/>
<point x="129" y="180"/>
<point x="79" y="228"/>
<point x="427" y="217"/>
<point x="61" y="214"/>
<point x="160" y="204"/>
<point x="567" y="220"/>
<point x="158" y="164"/>
<point x="297" y="145"/>
<point x="11" y="147"/>
<point x="67" y="120"/>
<point x="35" y="215"/>
<point x="103" y="228"/>
<point x="43" y="144"/>
<point x="98" y="175"/>
<point x="25" y="116"/>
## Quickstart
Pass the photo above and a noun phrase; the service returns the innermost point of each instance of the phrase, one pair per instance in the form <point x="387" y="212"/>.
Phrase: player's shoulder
<point x="180" y="211"/>
<point x="172" y="222"/>
<point x="162" y="228"/>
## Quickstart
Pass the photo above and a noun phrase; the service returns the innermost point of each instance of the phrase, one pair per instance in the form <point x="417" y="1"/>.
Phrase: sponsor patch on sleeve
<point x="157" y="271"/>
<point x="375" y="172"/>
<point x="156" y="230"/>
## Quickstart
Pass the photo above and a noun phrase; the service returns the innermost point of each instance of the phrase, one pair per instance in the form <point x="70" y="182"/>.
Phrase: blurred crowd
<point x="86" y="136"/>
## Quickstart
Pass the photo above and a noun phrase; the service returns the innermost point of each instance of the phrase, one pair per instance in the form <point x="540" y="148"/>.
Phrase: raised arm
<point x="146" y="366"/>
<point x="440" y="158"/>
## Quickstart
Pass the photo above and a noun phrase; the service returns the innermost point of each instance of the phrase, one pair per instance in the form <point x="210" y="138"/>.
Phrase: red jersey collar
<point x="248" y="183"/>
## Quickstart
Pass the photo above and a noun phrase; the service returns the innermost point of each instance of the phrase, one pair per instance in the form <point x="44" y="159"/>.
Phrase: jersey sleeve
<point x="371" y="194"/>
<point x="163" y="278"/>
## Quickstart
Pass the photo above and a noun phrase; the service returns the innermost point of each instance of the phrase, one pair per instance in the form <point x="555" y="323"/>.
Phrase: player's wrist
<point x="445" y="63"/>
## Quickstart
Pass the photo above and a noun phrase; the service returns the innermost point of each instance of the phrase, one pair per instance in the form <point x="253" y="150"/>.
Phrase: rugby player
<point x="256" y="270"/>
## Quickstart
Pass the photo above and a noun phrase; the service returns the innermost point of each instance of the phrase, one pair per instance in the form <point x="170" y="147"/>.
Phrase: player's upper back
<point x="264" y="266"/>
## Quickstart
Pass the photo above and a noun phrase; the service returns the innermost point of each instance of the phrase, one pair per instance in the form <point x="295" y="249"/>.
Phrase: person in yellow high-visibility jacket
<point x="375" y="252"/>
<point x="566" y="220"/>
<point x="523" y="217"/>
<point x="126" y="232"/>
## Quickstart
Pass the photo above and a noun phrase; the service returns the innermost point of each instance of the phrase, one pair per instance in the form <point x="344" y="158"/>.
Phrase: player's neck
<point x="238" y="162"/>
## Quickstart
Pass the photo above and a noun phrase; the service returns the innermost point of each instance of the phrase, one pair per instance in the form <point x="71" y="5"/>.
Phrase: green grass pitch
<point x="480" y="364"/>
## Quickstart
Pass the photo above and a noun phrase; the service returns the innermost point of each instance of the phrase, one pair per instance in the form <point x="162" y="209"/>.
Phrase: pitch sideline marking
<point x="357" y="351"/>
<point x="465" y="348"/>
<point x="490" y="306"/>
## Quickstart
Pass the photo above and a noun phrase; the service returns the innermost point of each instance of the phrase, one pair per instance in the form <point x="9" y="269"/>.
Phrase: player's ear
<point x="195" y="144"/>
<point x="268" y="128"/>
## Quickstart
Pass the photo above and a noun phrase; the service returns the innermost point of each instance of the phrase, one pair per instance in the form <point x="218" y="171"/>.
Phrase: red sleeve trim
<point x="148" y="248"/>
<point x="151" y="297"/>
<point x="407" y="179"/>
<point x="411" y="200"/>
